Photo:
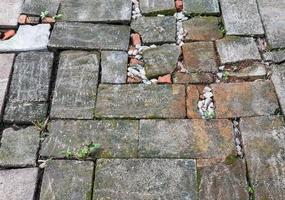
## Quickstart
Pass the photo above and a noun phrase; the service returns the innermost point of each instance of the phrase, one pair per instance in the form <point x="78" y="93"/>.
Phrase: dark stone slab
<point x="154" y="7"/>
<point x="201" y="7"/>
<point x="9" y="12"/>
<point x="278" y="79"/>
<point x="35" y="7"/>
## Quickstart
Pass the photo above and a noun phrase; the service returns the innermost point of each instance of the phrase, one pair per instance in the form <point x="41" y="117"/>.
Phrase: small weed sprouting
<point x="83" y="152"/>
<point x="41" y="125"/>
<point x="44" y="14"/>
<point x="59" y="16"/>
<point x="209" y="115"/>
<point x="250" y="190"/>
<point x="225" y="75"/>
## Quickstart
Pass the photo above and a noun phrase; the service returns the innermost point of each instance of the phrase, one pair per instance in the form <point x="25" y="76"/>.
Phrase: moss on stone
<point x="231" y="159"/>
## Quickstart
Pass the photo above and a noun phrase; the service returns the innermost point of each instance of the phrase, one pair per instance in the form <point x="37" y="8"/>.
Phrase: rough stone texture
<point x="193" y="94"/>
<point x="118" y="138"/>
<point x="19" y="148"/>
<point x="263" y="139"/>
<point x="28" y="38"/>
<point x="9" y="12"/>
<point x="111" y="11"/>
<point x="278" y="79"/>
<point x="192" y="78"/>
<point x="29" y="89"/>
<point x="254" y="71"/>
<point x="66" y="179"/>
<point x="161" y="60"/>
<point x="200" y="57"/>
<point x="145" y="179"/>
<point x="273" y="17"/>
<point x="201" y="7"/>
<point x="114" y="66"/>
<point x="241" y="17"/>
<point x="89" y="36"/>
<point x="275" y="56"/>
<point x="153" y="7"/>
<point x="18" y="184"/>
<point x="202" y="28"/>
<point x="245" y="99"/>
<point x="76" y="85"/>
<point x="234" y="49"/>
<point x="185" y="139"/>
<point x="155" y="30"/>
<point x="35" y="7"/>
<point x="140" y="101"/>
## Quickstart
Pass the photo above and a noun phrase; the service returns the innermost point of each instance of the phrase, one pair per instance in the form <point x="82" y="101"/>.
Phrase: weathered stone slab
<point x="278" y="79"/>
<point x="145" y="179"/>
<point x="245" y="99"/>
<point x="235" y="49"/>
<point x="154" y="7"/>
<point x="192" y="78"/>
<point x="114" y="66"/>
<point x="89" y="36"/>
<point x="9" y="12"/>
<point x="19" y="148"/>
<point x="161" y="60"/>
<point x="35" y="7"/>
<point x="192" y="99"/>
<point x="275" y="56"/>
<point x="155" y="30"/>
<point x="185" y="139"/>
<point x="263" y="139"/>
<point x="67" y="179"/>
<point x="118" y="138"/>
<point x="111" y="11"/>
<point x="254" y="71"/>
<point x="201" y="7"/>
<point x="18" y="184"/>
<point x="241" y="17"/>
<point x="28" y="38"/>
<point x="76" y="85"/>
<point x="273" y="17"/>
<point x="140" y="101"/>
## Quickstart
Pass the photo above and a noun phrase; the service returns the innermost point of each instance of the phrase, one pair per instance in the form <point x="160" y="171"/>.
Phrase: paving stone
<point x="201" y="7"/>
<point x="35" y="7"/>
<point x="241" y="17"/>
<point x="185" y="138"/>
<point x="245" y="99"/>
<point x="273" y="17"/>
<point x="9" y="12"/>
<point x="29" y="89"/>
<point x="118" y="138"/>
<point x="111" y="11"/>
<point x="67" y="179"/>
<point x="263" y="139"/>
<point x="76" y="85"/>
<point x="275" y="56"/>
<point x="114" y="66"/>
<point x="161" y="60"/>
<point x="145" y="179"/>
<point x="192" y="78"/>
<point x="200" y="57"/>
<point x="278" y="79"/>
<point x="154" y="7"/>
<point x="89" y="36"/>
<point x="235" y="49"/>
<point x="155" y="30"/>
<point x="27" y="38"/>
<point x="18" y="184"/>
<point x="202" y="28"/>
<point x="19" y="148"/>
<point x="254" y="71"/>
<point x="140" y="101"/>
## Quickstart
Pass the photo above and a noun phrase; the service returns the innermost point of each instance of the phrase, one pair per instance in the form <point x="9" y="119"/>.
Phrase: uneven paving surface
<point x="148" y="99"/>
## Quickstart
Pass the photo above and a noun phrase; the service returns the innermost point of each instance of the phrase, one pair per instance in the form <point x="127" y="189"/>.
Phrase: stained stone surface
<point x="193" y="78"/>
<point x="263" y="139"/>
<point x="201" y="7"/>
<point x="161" y="60"/>
<point x="275" y="56"/>
<point x="118" y="139"/>
<point x="27" y="38"/>
<point x="253" y="71"/>
<point x="114" y="11"/>
<point x="89" y="36"/>
<point x="29" y="87"/>
<point x="114" y="66"/>
<point x="234" y="49"/>
<point x="35" y="7"/>
<point x="152" y="7"/>
<point x="185" y="139"/>
<point x="145" y="179"/>
<point x="241" y="17"/>
<point x="76" y="85"/>
<point x="140" y="101"/>
<point x="19" y="148"/>
<point x="245" y="99"/>
<point x="155" y="30"/>
<point x="18" y="184"/>
<point x="9" y="12"/>
<point x="278" y="79"/>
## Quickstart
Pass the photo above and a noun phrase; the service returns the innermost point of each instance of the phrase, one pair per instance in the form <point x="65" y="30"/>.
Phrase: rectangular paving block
<point x="145" y="179"/>
<point x="118" y="138"/>
<point x="35" y="7"/>
<point x="154" y="7"/>
<point x="76" y="85"/>
<point x="241" y="17"/>
<point x="278" y="79"/>
<point x="275" y="56"/>
<point x="210" y="7"/>
<point x="67" y="179"/>
<point x="193" y="78"/>
<point x="263" y="139"/>
<point x="89" y="36"/>
<point x="140" y="101"/>
<point x="245" y="99"/>
<point x="185" y="139"/>
<point x="9" y="12"/>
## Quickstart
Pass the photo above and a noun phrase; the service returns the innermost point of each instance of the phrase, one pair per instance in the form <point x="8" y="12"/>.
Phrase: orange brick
<point x="179" y="5"/>
<point x="165" y="79"/>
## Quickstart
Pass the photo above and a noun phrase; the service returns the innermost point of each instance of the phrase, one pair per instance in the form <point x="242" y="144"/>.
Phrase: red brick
<point x="22" y="19"/>
<point x="48" y="20"/>
<point x="165" y="79"/>
<point x="8" y="34"/>
<point x="179" y="5"/>
<point x="136" y="39"/>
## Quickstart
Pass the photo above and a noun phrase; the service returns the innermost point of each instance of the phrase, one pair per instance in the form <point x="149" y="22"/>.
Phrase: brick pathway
<point x="148" y="99"/>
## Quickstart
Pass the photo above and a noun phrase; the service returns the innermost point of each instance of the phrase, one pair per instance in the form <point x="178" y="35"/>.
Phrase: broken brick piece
<point x="179" y="5"/>
<point x="33" y="20"/>
<point x="22" y="19"/>
<point x="165" y="79"/>
<point x="136" y="39"/>
<point x="8" y="34"/>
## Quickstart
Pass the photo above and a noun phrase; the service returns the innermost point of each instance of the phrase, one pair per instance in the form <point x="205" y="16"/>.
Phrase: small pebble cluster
<point x="181" y="34"/>
<point x="136" y="12"/>
<point x="221" y="74"/>
<point x="206" y="104"/>
<point x="237" y="137"/>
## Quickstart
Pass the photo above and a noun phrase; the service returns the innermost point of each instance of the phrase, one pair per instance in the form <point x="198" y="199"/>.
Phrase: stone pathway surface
<point x="142" y="99"/>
